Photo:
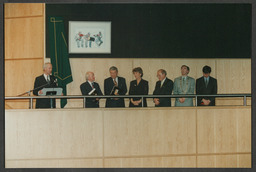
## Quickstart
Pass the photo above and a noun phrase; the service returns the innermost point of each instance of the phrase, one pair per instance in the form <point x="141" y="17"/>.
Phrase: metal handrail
<point x="130" y="96"/>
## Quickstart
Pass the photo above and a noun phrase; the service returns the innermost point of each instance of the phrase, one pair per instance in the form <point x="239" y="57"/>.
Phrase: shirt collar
<point x="184" y="77"/>
<point x="115" y="79"/>
<point x="90" y="82"/>
<point x="45" y="76"/>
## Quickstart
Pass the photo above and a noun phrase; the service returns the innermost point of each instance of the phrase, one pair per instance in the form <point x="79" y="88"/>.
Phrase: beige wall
<point x="163" y="137"/>
<point x="24" y="49"/>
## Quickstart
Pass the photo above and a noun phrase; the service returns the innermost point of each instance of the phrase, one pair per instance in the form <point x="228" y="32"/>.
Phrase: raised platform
<point x="129" y="137"/>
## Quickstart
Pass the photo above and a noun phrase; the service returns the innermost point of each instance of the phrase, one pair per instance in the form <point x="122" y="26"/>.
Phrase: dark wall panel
<point x="167" y="30"/>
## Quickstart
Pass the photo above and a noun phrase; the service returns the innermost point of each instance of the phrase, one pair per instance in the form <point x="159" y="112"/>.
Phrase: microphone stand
<point x="51" y="100"/>
<point x="29" y="93"/>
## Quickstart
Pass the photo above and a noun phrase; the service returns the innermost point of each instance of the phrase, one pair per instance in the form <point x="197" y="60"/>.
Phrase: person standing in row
<point x="138" y="86"/>
<point x="206" y="85"/>
<point x="163" y="87"/>
<point x="184" y="85"/>
<point x="90" y="87"/>
<point x="115" y="85"/>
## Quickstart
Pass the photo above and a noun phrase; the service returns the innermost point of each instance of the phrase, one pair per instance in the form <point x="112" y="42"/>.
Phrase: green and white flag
<point x="59" y="54"/>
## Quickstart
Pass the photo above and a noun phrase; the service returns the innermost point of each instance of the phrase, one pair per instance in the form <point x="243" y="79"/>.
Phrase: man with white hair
<point x="90" y="87"/>
<point x="46" y="80"/>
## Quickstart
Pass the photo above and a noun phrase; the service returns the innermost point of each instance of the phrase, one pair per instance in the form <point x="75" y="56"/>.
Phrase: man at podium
<point x="46" y="80"/>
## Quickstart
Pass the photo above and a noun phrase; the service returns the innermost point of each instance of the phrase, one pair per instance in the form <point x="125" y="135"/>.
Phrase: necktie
<point x="48" y="79"/>
<point x="92" y="84"/>
<point x="115" y="82"/>
<point x="206" y="82"/>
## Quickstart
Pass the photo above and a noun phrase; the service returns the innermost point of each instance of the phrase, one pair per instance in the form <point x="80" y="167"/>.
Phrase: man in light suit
<point x="184" y="85"/>
<point x="46" y="80"/>
<point x="206" y="85"/>
<point x="90" y="87"/>
<point x="115" y="82"/>
<point x="163" y="87"/>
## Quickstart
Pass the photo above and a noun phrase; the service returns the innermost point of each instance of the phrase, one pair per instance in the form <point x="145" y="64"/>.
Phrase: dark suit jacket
<point x="85" y="89"/>
<point x="40" y="81"/>
<point x="166" y="89"/>
<point x="201" y="89"/>
<point x="108" y="86"/>
<point x="141" y="89"/>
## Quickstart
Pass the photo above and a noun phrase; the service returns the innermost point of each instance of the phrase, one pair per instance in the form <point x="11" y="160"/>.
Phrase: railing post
<point x="142" y="102"/>
<point x="84" y="102"/>
<point x="196" y="100"/>
<point x="31" y="103"/>
<point x="245" y="103"/>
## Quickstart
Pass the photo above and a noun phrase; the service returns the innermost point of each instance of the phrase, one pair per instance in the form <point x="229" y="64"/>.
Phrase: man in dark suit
<point x="206" y="85"/>
<point x="44" y="81"/>
<point x="163" y="87"/>
<point x="115" y="85"/>
<point x="90" y="87"/>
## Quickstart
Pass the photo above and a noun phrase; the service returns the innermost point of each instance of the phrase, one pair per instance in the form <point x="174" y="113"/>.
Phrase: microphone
<point x="55" y="81"/>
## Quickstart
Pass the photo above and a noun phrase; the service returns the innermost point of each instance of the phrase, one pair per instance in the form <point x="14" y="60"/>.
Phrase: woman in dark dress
<point x="138" y="86"/>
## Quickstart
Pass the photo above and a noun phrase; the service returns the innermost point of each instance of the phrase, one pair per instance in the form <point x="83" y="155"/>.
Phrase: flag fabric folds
<point x="59" y="54"/>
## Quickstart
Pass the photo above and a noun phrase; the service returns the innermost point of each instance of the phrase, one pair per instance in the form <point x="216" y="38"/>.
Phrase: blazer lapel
<point x="43" y="79"/>
<point x="111" y="82"/>
<point x="203" y="81"/>
<point x="89" y="85"/>
<point x="163" y="84"/>
<point x="118" y="82"/>
<point x="210" y="81"/>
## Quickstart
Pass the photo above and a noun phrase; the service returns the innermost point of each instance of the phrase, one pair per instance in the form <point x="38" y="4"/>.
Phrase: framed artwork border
<point x="89" y="37"/>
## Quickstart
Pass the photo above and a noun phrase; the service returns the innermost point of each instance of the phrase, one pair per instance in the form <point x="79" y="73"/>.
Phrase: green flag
<point x="59" y="54"/>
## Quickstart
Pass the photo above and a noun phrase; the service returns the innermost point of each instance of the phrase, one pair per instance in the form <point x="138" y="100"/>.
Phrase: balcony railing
<point x="128" y="96"/>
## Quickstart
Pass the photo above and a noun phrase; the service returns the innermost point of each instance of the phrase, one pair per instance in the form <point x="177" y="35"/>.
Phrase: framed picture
<point x="89" y="37"/>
